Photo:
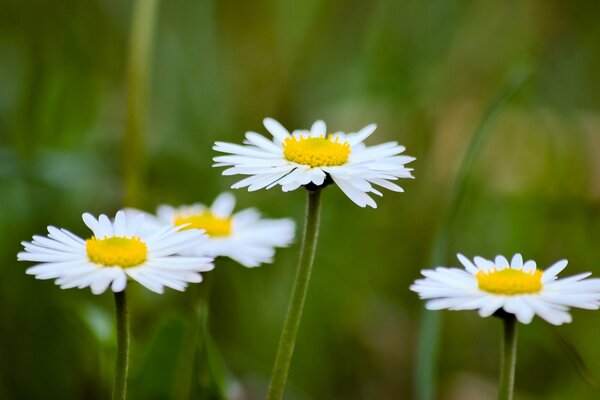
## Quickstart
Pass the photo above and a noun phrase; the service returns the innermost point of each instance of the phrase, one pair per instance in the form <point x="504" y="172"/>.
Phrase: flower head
<point x="516" y="287"/>
<point x="314" y="158"/>
<point x="117" y="250"/>
<point x="243" y="236"/>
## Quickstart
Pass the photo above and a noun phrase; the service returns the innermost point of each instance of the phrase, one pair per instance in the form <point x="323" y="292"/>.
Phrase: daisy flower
<point x="313" y="159"/>
<point x="517" y="288"/>
<point x="117" y="250"/>
<point x="242" y="236"/>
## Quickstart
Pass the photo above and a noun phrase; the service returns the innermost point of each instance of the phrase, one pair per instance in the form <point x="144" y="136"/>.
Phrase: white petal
<point x="318" y="129"/>
<point x="276" y="129"/>
<point x="483" y="264"/>
<point x="119" y="282"/>
<point x="223" y="205"/>
<point x="102" y="281"/>
<point x="501" y="262"/>
<point x="388" y="185"/>
<point x="59" y="270"/>
<point x="555" y="269"/>
<point x="105" y="226"/>
<point x="262" y="142"/>
<point x="491" y="306"/>
<point x="55" y="244"/>
<point x="358" y="197"/>
<point x="529" y="266"/>
<point x="361" y="135"/>
<point x="64" y="236"/>
<point x="469" y="266"/>
<point x="266" y="180"/>
<point x="144" y="280"/>
<point x="249" y="152"/>
<point x="92" y="223"/>
<point x="517" y="261"/>
<point x="515" y="305"/>
<point x="553" y="315"/>
<point x="120" y="224"/>
<point x="135" y="222"/>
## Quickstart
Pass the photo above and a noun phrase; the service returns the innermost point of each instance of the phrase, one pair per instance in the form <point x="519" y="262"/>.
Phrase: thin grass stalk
<point x="140" y="52"/>
<point x="430" y="325"/>
<point x="198" y="344"/>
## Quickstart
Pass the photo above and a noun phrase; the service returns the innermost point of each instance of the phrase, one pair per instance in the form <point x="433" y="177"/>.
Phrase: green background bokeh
<point x="424" y="71"/>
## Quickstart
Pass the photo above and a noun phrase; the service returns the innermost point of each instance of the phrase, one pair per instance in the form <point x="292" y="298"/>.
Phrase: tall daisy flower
<point x="314" y="158"/>
<point x="242" y="236"/>
<point x="513" y="291"/>
<point x="117" y="250"/>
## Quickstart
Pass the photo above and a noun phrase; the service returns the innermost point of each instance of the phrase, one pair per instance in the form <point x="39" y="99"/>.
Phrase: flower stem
<point x="509" y="358"/>
<point x="287" y="340"/>
<point x="120" y="385"/>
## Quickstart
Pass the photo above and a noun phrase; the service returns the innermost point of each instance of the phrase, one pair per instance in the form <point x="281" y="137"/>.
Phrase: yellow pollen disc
<point x="116" y="251"/>
<point x="510" y="281"/>
<point x="316" y="152"/>
<point x="213" y="225"/>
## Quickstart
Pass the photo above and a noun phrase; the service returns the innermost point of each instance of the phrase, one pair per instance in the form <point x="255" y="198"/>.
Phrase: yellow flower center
<point x="116" y="251"/>
<point x="213" y="225"/>
<point x="510" y="281"/>
<point x="316" y="152"/>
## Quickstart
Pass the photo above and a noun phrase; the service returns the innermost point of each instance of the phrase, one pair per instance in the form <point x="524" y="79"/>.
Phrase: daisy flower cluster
<point x="314" y="158"/>
<point x="175" y="246"/>
<point x="170" y="249"/>
<point x="516" y="287"/>
<point x="117" y="250"/>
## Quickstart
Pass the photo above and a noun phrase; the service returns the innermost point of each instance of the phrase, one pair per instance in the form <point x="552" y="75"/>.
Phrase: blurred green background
<point x="424" y="71"/>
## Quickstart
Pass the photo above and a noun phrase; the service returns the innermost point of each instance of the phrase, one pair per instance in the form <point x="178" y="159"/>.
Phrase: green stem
<point x="120" y="385"/>
<point x="140" y="50"/>
<point x="509" y="358"/>
<point x="287" y="340"/>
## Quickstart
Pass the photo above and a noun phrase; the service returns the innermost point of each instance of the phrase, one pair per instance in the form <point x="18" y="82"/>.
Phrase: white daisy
<point x="516" y="287"/>
<point x="243" y="236"/>
<point x="117" y="250"/>
<point x="314" y="158"/>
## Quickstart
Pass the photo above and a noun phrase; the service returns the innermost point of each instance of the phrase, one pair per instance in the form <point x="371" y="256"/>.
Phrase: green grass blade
<point x="428" y="347"/>
<point x="140" y="55"/>
<point x="575" y="357"/>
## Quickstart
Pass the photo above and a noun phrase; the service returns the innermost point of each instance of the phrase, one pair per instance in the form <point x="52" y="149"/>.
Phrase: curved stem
<point x="287" y="340"/>
<point x="509" y="358"/>
<point x="122" y="368"/>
